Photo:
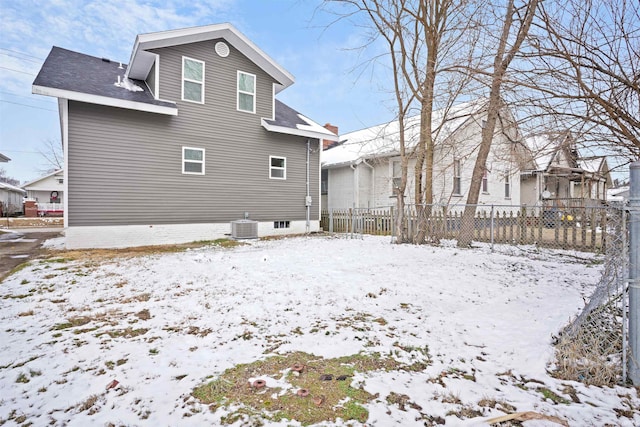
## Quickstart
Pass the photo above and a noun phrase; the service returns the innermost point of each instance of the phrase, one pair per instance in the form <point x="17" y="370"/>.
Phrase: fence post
<point x="330" y="220"/>
<point x="492" y="224"/>
<point x="634" y="273"/>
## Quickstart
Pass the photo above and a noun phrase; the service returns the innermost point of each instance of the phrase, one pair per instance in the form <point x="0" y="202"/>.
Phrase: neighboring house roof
<point x="4" y="158"/>
<point x="80" y="77"/>
<point x="619" y="194"/>
<point x="42" y="178"/>
<point x="141" y="60"/>
<point x="384" y="140"/>
<point x="9" y="187"/>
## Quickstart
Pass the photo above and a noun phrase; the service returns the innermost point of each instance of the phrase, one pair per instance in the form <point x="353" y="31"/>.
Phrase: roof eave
<point x="104" y="100"/>
<point x="57" y="171"/>
<point x="299" y="132"/>
<point x="226" y="31"/>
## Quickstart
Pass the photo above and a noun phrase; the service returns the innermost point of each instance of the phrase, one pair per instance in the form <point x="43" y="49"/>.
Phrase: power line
<point x="22" y="59"/>
<point x="27" y="96"/>
<point x="26" y="105"/>
<point x="17" y="71"/>
<point x="20" y="53"/>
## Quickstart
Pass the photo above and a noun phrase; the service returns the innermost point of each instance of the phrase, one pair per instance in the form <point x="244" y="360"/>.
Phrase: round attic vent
<point x="222" y="49"/>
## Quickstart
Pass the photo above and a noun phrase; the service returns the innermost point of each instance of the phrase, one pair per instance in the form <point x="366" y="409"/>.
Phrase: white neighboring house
<point x="48" y="192"/>
<point x="10" y="199"/>
<point x="364" y="169"/>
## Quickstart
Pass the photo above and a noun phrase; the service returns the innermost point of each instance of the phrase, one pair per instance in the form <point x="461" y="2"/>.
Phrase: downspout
<point x="307" y="199"/>
<point x="354" y="166"/>
<point x="373" y="182"/>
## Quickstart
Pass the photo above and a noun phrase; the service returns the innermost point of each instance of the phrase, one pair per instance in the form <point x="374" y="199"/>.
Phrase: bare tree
<point x="588" y="54"/>
<point x="517" y="19"/>
<point x="53" y="155"/>
<point x="7" y="179"/>
<point x="417" y="33"/>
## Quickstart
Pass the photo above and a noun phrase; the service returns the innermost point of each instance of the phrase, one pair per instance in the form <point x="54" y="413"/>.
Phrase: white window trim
<point x="192" y="81"/>
<point x="507" y="186"/>
<point x="457" y="177"/>
<point x="238" y="92"/>
<point x="193" y="161"/>
<point x="271" y="168"/>
<point x="156" y="89"/>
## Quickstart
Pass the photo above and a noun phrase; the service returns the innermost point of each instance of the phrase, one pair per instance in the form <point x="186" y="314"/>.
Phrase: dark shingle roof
<point x="286" y="116"/>
<point x="68" y="70"/>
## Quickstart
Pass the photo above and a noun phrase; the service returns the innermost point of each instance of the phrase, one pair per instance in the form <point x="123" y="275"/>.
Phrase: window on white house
<point x="277" y="167"/>
<point x="485" y="181"/>
<point x="457" y="179"/>
<point x="281" y="224"/>
<point x="396" y="175"/>
<point x="324" y="181"/>
<point x="507" y="186"/>
<point x="246" y="92"/>
<point x="193" y="161"/>
<point x="192" y="80"/>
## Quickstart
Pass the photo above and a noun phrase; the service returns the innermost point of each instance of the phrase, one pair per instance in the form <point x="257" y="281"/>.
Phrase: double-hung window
<point x="277" y="167"/>
<point x="507" y="186"/>
<point x="193" y="161"/>
<point x="485" y="181"/>
<point x="457" y="179"/>
<point x="396" y="175"/>
<point x="246" y="92"/>
<point x="192" y="80"/>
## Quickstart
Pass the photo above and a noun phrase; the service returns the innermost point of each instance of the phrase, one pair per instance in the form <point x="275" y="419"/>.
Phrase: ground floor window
<point x="193" y="160"/>
<point x="277" y="167"/>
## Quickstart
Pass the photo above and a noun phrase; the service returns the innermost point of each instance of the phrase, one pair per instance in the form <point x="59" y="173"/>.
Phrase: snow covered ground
<point x="71" y="327"/>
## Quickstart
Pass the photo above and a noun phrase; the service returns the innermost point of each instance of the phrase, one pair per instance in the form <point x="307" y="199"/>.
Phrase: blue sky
<point x="331" y="85"/>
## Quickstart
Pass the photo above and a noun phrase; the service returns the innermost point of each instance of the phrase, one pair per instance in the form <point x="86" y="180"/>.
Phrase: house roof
<point x="42" y="178"/>
<point x="79" y="77"/>
<point x="4" y="158"/>
<point x="289" y="121"/>
<point x="9" y="187"/>
<point x="142" y="60"/>
<point x="384" y="140"/>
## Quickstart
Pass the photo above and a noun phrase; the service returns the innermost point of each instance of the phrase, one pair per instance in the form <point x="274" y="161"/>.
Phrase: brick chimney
<point x="325" y="142"/>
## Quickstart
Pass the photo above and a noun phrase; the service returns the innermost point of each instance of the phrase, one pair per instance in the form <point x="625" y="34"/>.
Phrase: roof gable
<point x="142" y="60"/>
<point x="57" y="173"/>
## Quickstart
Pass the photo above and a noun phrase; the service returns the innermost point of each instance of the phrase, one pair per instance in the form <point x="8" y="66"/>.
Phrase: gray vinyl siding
<point x="125" y="166"/>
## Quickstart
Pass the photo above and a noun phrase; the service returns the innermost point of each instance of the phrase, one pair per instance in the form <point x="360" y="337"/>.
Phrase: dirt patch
<point x="20" y="247"/>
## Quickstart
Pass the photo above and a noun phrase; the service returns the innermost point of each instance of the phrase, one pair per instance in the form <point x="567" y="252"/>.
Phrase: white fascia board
<point x="104" y="100"/>
<point x="30" y="183"/>
<point x="298" y="132"/>
<point x="208" y="32"/>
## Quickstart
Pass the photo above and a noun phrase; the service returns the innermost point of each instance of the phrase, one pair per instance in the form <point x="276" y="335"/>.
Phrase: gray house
<point x="181" y="142"/>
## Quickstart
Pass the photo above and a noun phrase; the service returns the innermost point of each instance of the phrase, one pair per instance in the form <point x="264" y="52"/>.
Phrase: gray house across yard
<point x="182" y="142"/>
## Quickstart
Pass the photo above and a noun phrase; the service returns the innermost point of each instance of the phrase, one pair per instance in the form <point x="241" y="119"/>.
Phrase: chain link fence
<point x="592" y="348"/>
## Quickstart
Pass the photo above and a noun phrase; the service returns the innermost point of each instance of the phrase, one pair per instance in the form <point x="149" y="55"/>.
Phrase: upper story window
<point x="457" y="178"/>
<point x="193" y="161"/>
<point x="277" y="167"/>
<point x="246" y="92"/>
<point x="507" y="186"/>
<point x="192" y="80"/>
<point x="485" y="181"/>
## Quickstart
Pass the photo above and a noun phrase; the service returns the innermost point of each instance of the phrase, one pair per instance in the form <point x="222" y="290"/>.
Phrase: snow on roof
<point x="617" y="194"/>
<point x="384" y="140"/>
<point x="543" y="147"/>
<point x="58" y="171"/>
<point x="10" y="187"/>
<point x="590" y="165"/>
